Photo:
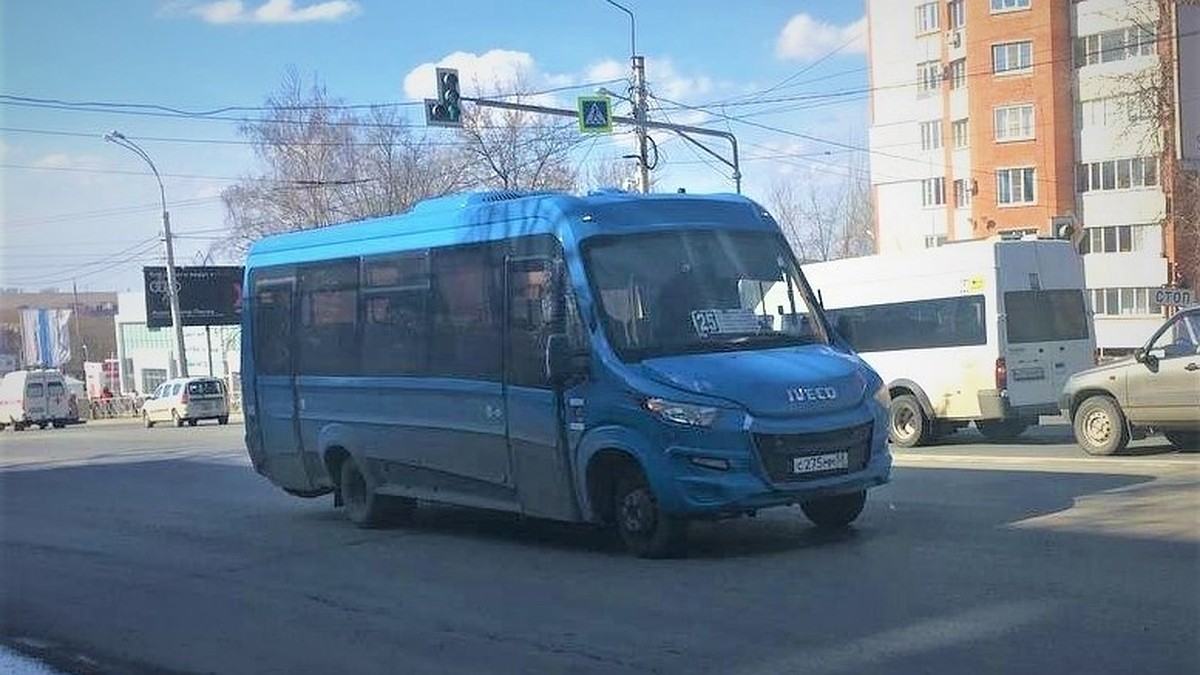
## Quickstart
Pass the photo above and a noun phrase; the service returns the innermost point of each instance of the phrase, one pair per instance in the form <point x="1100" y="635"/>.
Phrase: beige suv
<point x="187" y="400"/>
<point x="1156" y="390"/>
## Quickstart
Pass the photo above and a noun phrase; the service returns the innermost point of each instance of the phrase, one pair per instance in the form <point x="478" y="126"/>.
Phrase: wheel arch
<point x="902" y="386"/>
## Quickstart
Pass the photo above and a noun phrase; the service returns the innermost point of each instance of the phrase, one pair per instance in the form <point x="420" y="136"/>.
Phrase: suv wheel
<point x="1100" y="427"/>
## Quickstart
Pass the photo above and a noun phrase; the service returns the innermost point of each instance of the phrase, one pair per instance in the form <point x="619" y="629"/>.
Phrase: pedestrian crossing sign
<point x="595" y="115"/>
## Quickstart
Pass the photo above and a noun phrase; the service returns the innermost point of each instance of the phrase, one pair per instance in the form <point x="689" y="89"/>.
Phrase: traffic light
<point x="446" y="109"/>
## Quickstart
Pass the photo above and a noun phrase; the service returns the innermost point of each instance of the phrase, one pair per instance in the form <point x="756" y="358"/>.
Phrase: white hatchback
<point x="187" y="400"/>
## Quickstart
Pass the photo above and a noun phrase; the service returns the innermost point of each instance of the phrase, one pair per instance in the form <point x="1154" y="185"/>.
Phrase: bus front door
<point x="535" y="309"/>
<point x="275" y="400"/>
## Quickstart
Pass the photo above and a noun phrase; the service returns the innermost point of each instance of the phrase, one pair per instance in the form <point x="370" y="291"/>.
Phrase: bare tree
<point x="514" y="149"/>
<point x="826" y="221"/>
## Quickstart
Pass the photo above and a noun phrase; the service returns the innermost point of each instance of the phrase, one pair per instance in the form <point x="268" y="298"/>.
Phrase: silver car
<point x="1156" y="390"/>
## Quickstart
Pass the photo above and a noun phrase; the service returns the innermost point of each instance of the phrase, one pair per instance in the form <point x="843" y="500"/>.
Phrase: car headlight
<point x="681" y="413"/>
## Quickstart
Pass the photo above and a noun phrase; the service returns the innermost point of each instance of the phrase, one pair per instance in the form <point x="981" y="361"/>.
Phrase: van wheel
<point x="998" y="431"/>
<point x="836" y="512"/>
<point x="1184" y="441"/>
<point x="146" y="420"/>
<point x="646" y="531"/>
<point x="907" y="425"/>
<point x="192" y="423"/>
<point x="176" y="418"/>
<point x="1100" y="427"/>
<point x="59" y="425"/>
<point x="223" y="419"/>
<point x="363" y="506"/>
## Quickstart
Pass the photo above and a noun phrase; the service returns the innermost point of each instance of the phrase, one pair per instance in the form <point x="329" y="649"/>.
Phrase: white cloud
<point x="61" y="160"/>
<point x="495" y="71"/>
<point x="807" y="39"/>
<point x="273" y="11"/>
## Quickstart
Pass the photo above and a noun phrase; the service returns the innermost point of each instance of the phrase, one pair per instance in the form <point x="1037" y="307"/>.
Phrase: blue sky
<point x="77" y="208"/>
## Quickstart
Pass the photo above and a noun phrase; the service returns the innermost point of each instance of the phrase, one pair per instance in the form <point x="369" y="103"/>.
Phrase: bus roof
<point x="473" y="217"/>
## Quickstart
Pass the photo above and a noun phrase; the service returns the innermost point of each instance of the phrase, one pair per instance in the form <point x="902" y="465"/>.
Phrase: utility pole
<point x="172" y="290"/>
<point x="640" y="114"/>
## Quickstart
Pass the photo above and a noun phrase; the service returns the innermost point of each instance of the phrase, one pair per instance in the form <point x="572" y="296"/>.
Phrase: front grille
<point x="776" y="451"/>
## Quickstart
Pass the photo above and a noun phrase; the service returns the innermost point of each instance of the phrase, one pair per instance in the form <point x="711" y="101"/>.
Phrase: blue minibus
<point x="609" y="358"/>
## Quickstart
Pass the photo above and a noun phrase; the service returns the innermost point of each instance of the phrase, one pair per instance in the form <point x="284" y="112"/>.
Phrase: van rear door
<point x="1047" y="339"/>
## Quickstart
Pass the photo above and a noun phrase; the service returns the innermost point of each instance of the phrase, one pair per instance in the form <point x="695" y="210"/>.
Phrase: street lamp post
<point x="172" y="290"/>
<point x="640" y="106"/>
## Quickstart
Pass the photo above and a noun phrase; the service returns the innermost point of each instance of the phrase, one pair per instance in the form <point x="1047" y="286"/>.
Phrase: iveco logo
<point x="802" y="394"/>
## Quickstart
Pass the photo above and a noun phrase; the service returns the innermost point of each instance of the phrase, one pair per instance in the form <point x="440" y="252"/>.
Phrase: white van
<point x="34" y="397"/>
<point x="187" y="400"/>
<point x="984" y="331"/>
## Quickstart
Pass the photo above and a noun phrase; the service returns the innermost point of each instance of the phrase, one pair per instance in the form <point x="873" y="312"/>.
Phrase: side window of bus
<point x="328" y="343"/>
<point x="466" y="310"/>
<point x="396" y="321"/>
<point x="533" y="314"/>
<point x="272" y="327"/>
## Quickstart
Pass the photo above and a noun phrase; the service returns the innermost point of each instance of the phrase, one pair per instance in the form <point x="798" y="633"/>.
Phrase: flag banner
<point x="46" y="336"/>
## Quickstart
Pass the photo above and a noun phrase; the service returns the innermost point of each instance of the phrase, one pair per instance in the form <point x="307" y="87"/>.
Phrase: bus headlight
<point x="681" y="413"/>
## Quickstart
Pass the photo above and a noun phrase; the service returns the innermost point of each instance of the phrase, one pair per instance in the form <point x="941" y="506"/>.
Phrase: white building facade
<point x="147" y="355"/>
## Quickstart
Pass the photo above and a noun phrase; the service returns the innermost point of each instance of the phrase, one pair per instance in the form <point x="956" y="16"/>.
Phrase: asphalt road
<point x="128" y="550"/>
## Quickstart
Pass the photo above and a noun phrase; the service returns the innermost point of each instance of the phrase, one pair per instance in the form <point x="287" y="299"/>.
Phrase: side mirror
<point x="1139" y="354"/>
<point x="1143" y="355"/>
<point x="562" y="362"/>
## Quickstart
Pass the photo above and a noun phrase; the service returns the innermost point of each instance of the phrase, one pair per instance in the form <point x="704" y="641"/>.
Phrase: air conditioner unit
<point x="955" y="38"/>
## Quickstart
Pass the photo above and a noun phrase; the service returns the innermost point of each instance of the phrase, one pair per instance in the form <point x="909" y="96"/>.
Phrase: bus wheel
<point x="363" y="506"/>
<point x="646" y="531"/>
<point x="907" y="425"/>
<point x="836" y="512"/>
<point x="998" y="431"/>
<point x="1100" y="427"/>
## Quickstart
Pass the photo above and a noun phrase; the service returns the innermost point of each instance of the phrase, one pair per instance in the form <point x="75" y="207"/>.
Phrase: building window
<point x="933" y="192"/>
<point x="1124" y="302"/>
<point x="958" y="73"/>
<point x="1016" y="186"/>
<point x="1012" y="57"/>
<point x="927" y="18"/>
<point x="961" y="133"/>
<point x="1009" y="5"/>
<point x="1117" y="174"/>
<point x="1114" y="45"/>
<point x="152" y="377"/>
<point x="1114" y="239"/>
<point x="962" y="192"/>
<point x="1014" y="122"/>
<point x="1114" y="110"/>
<point x="929" y="76"/>
<point x="931" y="135"/>
<point x="958" y="14"/>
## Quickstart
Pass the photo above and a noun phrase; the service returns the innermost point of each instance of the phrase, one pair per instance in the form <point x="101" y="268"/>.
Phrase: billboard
<point x="208" y="296"/>
<point x="46" y="336"/>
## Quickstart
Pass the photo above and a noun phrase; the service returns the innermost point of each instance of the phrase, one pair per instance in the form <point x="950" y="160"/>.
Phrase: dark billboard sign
<point x="208" y="296"/>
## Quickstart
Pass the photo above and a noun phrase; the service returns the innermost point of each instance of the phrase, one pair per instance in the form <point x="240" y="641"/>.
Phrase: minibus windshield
<point x="688" y="291"/>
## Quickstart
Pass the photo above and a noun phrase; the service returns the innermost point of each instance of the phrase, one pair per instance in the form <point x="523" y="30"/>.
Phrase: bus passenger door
<point x="535" y="309"/>
<point x="274" y="385"/>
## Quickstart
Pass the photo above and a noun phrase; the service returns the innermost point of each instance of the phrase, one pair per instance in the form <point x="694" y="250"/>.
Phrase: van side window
<point x="272" y="324"/>
<point x="532" y="316"/>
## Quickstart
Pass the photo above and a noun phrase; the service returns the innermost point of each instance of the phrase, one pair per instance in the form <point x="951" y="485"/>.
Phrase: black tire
<point x="1100" y="427"/>
<point x="223" y="419"/>
<point x="59" y="425"/>
<point x="176" y="418"/>
<point x="908" y="426"/>
<point x="146" y="420"/>
<point x="645" y="530"/>
<point x="999" y="431"/>
<point x="836" y="512"/>
<point x="1184" y="441"/>
<point x="192" y="422"/>
<point x="363" y="506"/>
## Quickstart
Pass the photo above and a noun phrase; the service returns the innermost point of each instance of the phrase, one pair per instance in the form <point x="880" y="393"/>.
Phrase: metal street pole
<point x="640" y="106"/>
<point x="172" y="290"/>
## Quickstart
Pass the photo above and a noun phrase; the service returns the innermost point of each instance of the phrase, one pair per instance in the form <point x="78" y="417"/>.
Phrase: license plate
<point x="817" y="463"/>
